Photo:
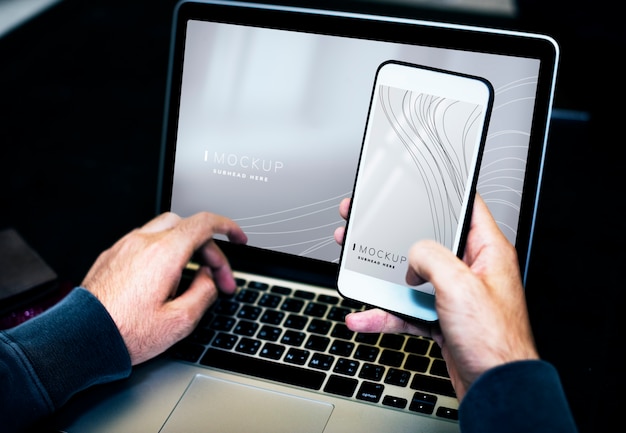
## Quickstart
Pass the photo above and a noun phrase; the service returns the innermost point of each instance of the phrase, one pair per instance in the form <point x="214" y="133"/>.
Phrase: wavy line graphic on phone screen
<point x="439" y="135"/>
<point x="305" y="230"/>
<point x="502" y="172"/>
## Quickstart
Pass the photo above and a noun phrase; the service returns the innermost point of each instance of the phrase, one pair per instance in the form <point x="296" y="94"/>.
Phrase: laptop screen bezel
<point x="354" y="25"/>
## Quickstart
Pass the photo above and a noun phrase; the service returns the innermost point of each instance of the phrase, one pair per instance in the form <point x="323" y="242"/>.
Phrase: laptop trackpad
<point x="215" y="405"/>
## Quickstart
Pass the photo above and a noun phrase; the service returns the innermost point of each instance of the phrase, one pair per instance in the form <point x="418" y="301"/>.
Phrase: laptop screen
<point x="267" y="111"/>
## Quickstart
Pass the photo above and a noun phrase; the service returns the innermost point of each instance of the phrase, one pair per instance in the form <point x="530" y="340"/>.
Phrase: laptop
<point x="265" y="115"/>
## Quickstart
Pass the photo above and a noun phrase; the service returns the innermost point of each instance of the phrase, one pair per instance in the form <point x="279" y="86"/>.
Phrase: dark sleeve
<point x="524" y="396"/>
<point x="46" y="360"/>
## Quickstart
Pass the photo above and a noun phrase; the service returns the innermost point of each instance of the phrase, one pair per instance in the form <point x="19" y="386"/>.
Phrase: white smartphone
<point x="416" y="179"/>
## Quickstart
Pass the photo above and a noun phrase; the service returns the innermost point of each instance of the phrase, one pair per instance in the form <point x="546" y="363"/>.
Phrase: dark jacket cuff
<point x="524" y="396"/>
<point x="72" y="346"/>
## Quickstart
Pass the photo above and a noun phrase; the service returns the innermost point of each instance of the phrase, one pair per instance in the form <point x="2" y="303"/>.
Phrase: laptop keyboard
<point x="297" y="336"/>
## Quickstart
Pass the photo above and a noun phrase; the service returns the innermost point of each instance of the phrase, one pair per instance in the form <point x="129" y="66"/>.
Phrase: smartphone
<point x="416" y="179"/>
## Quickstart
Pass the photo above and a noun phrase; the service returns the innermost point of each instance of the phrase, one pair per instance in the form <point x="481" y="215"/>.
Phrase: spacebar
<point x="264" y="369"/>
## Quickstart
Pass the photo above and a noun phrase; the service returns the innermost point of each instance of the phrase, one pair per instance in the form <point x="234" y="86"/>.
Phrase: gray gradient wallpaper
<point x="271" y="126"/>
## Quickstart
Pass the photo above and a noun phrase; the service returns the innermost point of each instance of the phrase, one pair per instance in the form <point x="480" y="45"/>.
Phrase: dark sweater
<point x="46" y="360"/>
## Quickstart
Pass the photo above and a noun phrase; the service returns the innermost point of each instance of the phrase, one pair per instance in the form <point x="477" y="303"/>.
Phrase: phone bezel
<point x="405" y="300"/>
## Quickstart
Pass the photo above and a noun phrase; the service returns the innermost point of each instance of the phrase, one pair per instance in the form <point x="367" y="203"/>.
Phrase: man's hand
<point x="483" y="319"/>
<point x="137" y="278"/>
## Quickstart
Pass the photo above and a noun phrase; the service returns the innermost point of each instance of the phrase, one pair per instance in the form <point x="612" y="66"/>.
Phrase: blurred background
<point x="82" y="88"/>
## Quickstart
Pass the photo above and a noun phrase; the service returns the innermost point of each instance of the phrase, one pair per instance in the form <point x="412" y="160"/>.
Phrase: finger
<point x="482" y="221"/>
<point x="197" y="298"/>
<point x="431" y="261"/>
<point x="426" y="259"/>
<point x="339" y="235"/>
<point x="377" y="320"/>
<point x="199" y="228"/>
<point x="486" y="240"/>
<point x="162" y="222"/>
<point x="344" y="208"/>
<point x="480" y="211"/>
<point x="218" y="267"/>
<point x="203" y="226"/>
<point x="412" y="278"/>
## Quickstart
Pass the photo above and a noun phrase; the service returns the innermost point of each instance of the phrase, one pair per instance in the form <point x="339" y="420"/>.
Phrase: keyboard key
<point x="371" y="392"/>
<point x="247" y="296"/>
<point x="304" y="294"/>
<point x="435" y="351"/>
<point x="318" y="326"/>
<point x="435" y="385"/>
<point x="366" y="353"/>
<point x="293" y="338"/>
<point x="296" y="322"/>
<point x="227" y="308"/>
<point x="392" y="341"/>
<point x="418" y="346"/>
<point x="292" y="305"/>
<point x="341" y="348"/>
<point x="338" y="385"/>
<point x="341" y="331"/>
<point x="317" y="343"/>
<point x="372" y="372"/>
<point x="353" y="305"/>
<point x="392" y="358"/>
<point x="269" y="301"/>
<point x="297" y="356"/>
<point x="245" y="327"/>
<point x="346" y="366"/>
<point x="272" y="317"/>
<point x="423" y="403"/>
<point x="439" y="368"/>
<point x="321" y="361"/>
<point x="256" y="285"/>
<point x="448" y="413"/>
<point x="222" y="323"/>
<point x="315" y="310"/>
<point x="225" y="341"/>
<point x="367" y="338"/>
<point x="248" y="346"/>
<point x="417" y="363"/>
<point x="398" y="377"/>
<point x="397" y="402"/>
<point x="289" y="374"/>
<point x="249" y="312"/>
<point x="280" y="290"/>
<point x="338" y="314"/>
<point x="272" y="351"/>
<point x="270" y="333"/>
<point x="327" y="299"/>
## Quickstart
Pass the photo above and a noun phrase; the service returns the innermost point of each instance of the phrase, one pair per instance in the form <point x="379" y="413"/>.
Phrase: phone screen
<point x="417" y="172"/>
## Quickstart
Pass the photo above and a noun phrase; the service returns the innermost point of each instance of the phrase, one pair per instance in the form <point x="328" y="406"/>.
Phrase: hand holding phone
<point x="416" y="179"/>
